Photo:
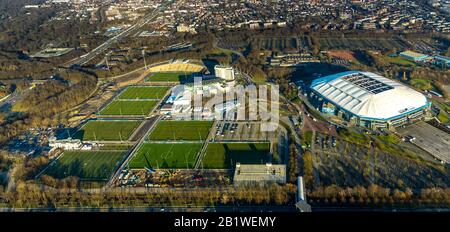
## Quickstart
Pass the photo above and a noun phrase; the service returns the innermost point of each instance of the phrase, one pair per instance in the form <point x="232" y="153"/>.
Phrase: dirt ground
<point x="343" y="54"/>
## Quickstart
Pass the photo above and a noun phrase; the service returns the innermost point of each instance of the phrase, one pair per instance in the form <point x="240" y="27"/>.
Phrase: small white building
<point x="224" y="72"/>
<point x="66" y="144"/>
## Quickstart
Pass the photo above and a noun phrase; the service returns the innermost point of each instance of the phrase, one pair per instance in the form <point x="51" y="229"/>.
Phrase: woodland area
<point x="40" y="107"/>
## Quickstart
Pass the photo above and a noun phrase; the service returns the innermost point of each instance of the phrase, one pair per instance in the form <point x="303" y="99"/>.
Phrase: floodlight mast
<point x="143" y="55"/>
<point x="107" y="63"/>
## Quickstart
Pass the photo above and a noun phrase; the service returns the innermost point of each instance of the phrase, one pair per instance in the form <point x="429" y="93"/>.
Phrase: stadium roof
<point x="369" y="95"/>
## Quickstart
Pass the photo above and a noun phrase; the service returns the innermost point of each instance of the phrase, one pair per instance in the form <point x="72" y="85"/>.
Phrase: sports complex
<point x="368" y="99"/>
<point x="130" y="133"/>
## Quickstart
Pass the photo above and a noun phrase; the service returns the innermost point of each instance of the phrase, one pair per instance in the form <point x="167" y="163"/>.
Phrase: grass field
<point x="142" y="92"/>
<point x="181" y="130"/>
<point x="166" y="155"/>
<point x="88" y="165"/>
<point x="107" y="130"/>
<point x="181" y="77"/>
<point x="129" y="107"/>
<point x="422" y="84"/>
<point x="226" y="155"/>
<point x="398" y="60"/>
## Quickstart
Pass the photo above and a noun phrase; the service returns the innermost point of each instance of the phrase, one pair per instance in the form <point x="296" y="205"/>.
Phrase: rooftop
<point x="369" y="95"/>
<point x="414" y="55"/>
<point x="260" y="172"/>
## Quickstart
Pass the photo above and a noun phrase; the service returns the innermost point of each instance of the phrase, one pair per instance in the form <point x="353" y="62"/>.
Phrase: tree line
<point x="377" y="196"/>
<point x="29" y="195"/>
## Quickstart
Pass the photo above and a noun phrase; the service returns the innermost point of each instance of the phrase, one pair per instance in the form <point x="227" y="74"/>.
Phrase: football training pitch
<point x="130" y="108"/>
<point x="226" y="155"/>
<point x="181" y="130"/>
<point x="181" y="77"/>
<point x="87" y="165"/>
<point x="107" y="130"/>
<point x="165" y="156"/>
<point x="143" y="92"/>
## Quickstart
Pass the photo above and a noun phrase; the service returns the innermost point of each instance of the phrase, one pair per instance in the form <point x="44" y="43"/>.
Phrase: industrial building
<point x="369" y="100"/>
<point x="245" y="174"/>
<point x="414" y="56"/>
<point x="441" y="61"/>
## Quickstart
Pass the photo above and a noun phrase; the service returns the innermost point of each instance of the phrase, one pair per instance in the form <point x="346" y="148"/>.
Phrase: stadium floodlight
<point x="143" y="55"/>
<point x="199" y="136"/>
<point x="185" y="158"/>
<point x="107" y="64"/>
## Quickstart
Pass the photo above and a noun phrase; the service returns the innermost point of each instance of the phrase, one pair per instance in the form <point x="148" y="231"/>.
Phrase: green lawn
<point x="398" y="60"/>
<point x="143" y="92"/>
<point x="422" y="84"/>
<point x="166" y="155"/>
<point x="443" y="117"/>
<point x="226" y="155"/>
<point x="107" y="130"/>
<point x="120" y="107"/>
<point x="354" y="136"/>
<point x="87" y="165"/>
<point x="392" y="139"/>
<point x="181" y="77"/>
<point x="181" y="130"/>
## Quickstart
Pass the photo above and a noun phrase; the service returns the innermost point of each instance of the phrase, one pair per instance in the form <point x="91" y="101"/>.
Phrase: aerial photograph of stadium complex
<point x="166" y="106"/>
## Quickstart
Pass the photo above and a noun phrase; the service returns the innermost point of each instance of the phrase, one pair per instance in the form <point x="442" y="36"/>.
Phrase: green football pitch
<point x="133" y="108"/>
<point x="226" y="155"/>
<point x="166" y="155"/>
<point x="143" y="92"/>
<point x="181" y="77"/>
<point x="87" y="165"/>
<point x="107" y="130"/>
<point x="181" y="130"/>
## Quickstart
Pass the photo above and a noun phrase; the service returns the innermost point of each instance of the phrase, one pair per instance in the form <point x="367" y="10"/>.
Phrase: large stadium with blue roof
<point x="368" y="99"/>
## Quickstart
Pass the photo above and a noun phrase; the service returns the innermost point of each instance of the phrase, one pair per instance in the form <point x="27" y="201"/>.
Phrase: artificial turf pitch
<point x="226" y="155"/>
<point x="165" y="156"/>
<point x="181" y="130"/>
<point x="87" y="165"/>
<point x="130" y="108"/>
<point x="143" y="92"/>
<point x="107" y="130"/>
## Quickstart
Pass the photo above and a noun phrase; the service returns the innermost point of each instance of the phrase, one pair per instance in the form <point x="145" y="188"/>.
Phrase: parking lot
<point x="242" y="131"/>
<point x="429" y="138"/>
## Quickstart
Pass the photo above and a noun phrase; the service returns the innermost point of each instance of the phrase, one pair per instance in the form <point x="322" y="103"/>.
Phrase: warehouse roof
<point x="260" y="172"/>
<point x="369" y="95"/>
<point x="414" y="55"/>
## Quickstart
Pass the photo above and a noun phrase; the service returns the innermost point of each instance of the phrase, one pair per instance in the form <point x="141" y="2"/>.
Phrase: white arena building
<point x="369" y="100"/>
